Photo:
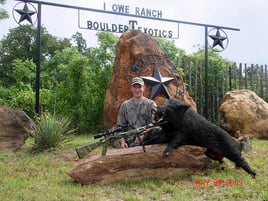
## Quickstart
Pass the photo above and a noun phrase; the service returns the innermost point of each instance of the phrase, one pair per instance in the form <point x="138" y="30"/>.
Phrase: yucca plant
<point x="50" y="132"/>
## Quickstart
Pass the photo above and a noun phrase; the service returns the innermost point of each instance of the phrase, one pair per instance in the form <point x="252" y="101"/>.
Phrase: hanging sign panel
<point x="121" y="23"/>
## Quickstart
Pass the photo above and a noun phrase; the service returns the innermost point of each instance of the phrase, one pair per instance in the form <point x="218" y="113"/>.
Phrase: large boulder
<point x="133" y="164"/>
<point x="137" y="54"/>
<point x="242" y="111"/>
<point x="14" y="128"/>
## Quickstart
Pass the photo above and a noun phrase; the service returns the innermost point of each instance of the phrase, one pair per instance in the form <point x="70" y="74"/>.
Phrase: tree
<point x="3" y="12"/>
<point x="23" y="73"/>
<point x="169" y="47"/>
<point x="20" y="43"/>
<point x="101" y="59"/>
<point x="80" y="42"/>
<point x="73" y="80"/>
<point x="71" y="90"/>
<point x="104" y="54"/>
<point x="77" y="92"/>
<point x="174" y="54"/>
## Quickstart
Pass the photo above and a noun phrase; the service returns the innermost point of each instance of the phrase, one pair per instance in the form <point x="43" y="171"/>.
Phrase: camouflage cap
<point x="137" y="80"/>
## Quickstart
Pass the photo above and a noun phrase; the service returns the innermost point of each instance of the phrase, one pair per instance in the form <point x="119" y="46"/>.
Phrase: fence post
<point x="217" y="101"/>
<point x="262" y="81"/>
<point x="230" y="78"/>
<point x="240" y="76"/>
<point x="195" y="80"/>
<point x="266" y="79"/>
<point x="257" y="80"/>
<point x="201" y="95"/>
<point x="234" y="68"/>
<point x="246" y="77"/>
<point x="223" y="83"/>
<point x="190" y="77"/>
<point x="184" y="68"/>
<point x="251" y="77"/>
<point x="212" y="100"/>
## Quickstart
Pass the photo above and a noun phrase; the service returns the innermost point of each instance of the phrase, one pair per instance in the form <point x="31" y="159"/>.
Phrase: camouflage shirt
<point x="133" y="115"/>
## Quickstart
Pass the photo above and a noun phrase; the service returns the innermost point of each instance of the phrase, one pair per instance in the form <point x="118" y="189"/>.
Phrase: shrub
<point x="50" y="132"/>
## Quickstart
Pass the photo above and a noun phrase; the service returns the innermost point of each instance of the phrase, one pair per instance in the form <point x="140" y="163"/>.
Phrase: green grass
<point x="27" y="176"/>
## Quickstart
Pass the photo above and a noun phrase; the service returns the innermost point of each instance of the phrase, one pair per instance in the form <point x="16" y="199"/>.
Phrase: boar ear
<point x="183" y="108"/>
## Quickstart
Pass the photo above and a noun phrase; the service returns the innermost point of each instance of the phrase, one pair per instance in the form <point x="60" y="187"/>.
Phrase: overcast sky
<point x="249" y="45"/>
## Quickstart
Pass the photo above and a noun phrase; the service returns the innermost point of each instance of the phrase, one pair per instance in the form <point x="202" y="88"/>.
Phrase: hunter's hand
<point x="123" y="143"/>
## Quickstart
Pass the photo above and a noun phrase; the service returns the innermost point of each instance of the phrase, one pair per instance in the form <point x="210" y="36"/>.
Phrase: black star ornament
<point x="218" y="39"/>
<point x="180" y="93"/>
<point x="158" y="83"/>
<point x="25" y="14"/>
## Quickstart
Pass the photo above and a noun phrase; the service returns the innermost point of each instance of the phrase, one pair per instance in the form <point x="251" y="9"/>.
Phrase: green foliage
<point x="107" y="41"/>
<point x="50" y="132"/>
<point x="73" y="88"/>
<point x="78" y="87"/>
<point x="3" y="14"/>
<point x="73" y="80"/>
<point x="71" y="84"/>
<point x="20" y="43"/>
<point x="174" y="54"/>
<point x="23" y="72"/>
<point x="81" y="44"/>
<point x="18" y="98"/>
<point x="169" y="47"/>
<point x="103" y="56"/>
<point x="6" y="96"/>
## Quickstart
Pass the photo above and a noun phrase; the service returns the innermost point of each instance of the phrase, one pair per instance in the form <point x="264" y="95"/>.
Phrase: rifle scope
<point x="99" y="135"/>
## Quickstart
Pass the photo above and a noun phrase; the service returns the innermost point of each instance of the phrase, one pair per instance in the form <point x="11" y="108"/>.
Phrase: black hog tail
<point x="243" y="164"/>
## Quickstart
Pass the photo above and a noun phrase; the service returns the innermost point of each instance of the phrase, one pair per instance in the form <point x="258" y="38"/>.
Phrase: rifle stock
<point x="85" y="149"/>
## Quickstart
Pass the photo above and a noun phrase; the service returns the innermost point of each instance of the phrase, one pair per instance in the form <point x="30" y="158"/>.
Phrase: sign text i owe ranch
<point x="111" y="23"/>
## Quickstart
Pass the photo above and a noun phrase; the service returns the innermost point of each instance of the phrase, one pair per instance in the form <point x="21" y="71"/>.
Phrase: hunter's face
<point x="137" y="90"/>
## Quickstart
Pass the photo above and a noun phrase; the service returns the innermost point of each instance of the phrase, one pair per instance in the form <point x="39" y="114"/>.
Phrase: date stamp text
<point x="219" y="182"/>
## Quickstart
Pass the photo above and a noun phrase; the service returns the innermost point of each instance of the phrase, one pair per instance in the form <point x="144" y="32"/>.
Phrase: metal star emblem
<point x="218" y="39"/>
<point x="158" y="83"/>
<point x="25" y="14"/>
<point x="180" y="93"/>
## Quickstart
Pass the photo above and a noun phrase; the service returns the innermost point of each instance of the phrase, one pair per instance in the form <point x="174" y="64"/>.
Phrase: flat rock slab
<point x="133" y="164"/>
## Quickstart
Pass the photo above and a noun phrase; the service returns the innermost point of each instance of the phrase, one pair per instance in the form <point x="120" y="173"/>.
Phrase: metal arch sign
<point x="106" y="21"/>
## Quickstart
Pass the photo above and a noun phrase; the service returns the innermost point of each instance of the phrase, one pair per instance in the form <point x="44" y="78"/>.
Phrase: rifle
<point x="108" y="140"/>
